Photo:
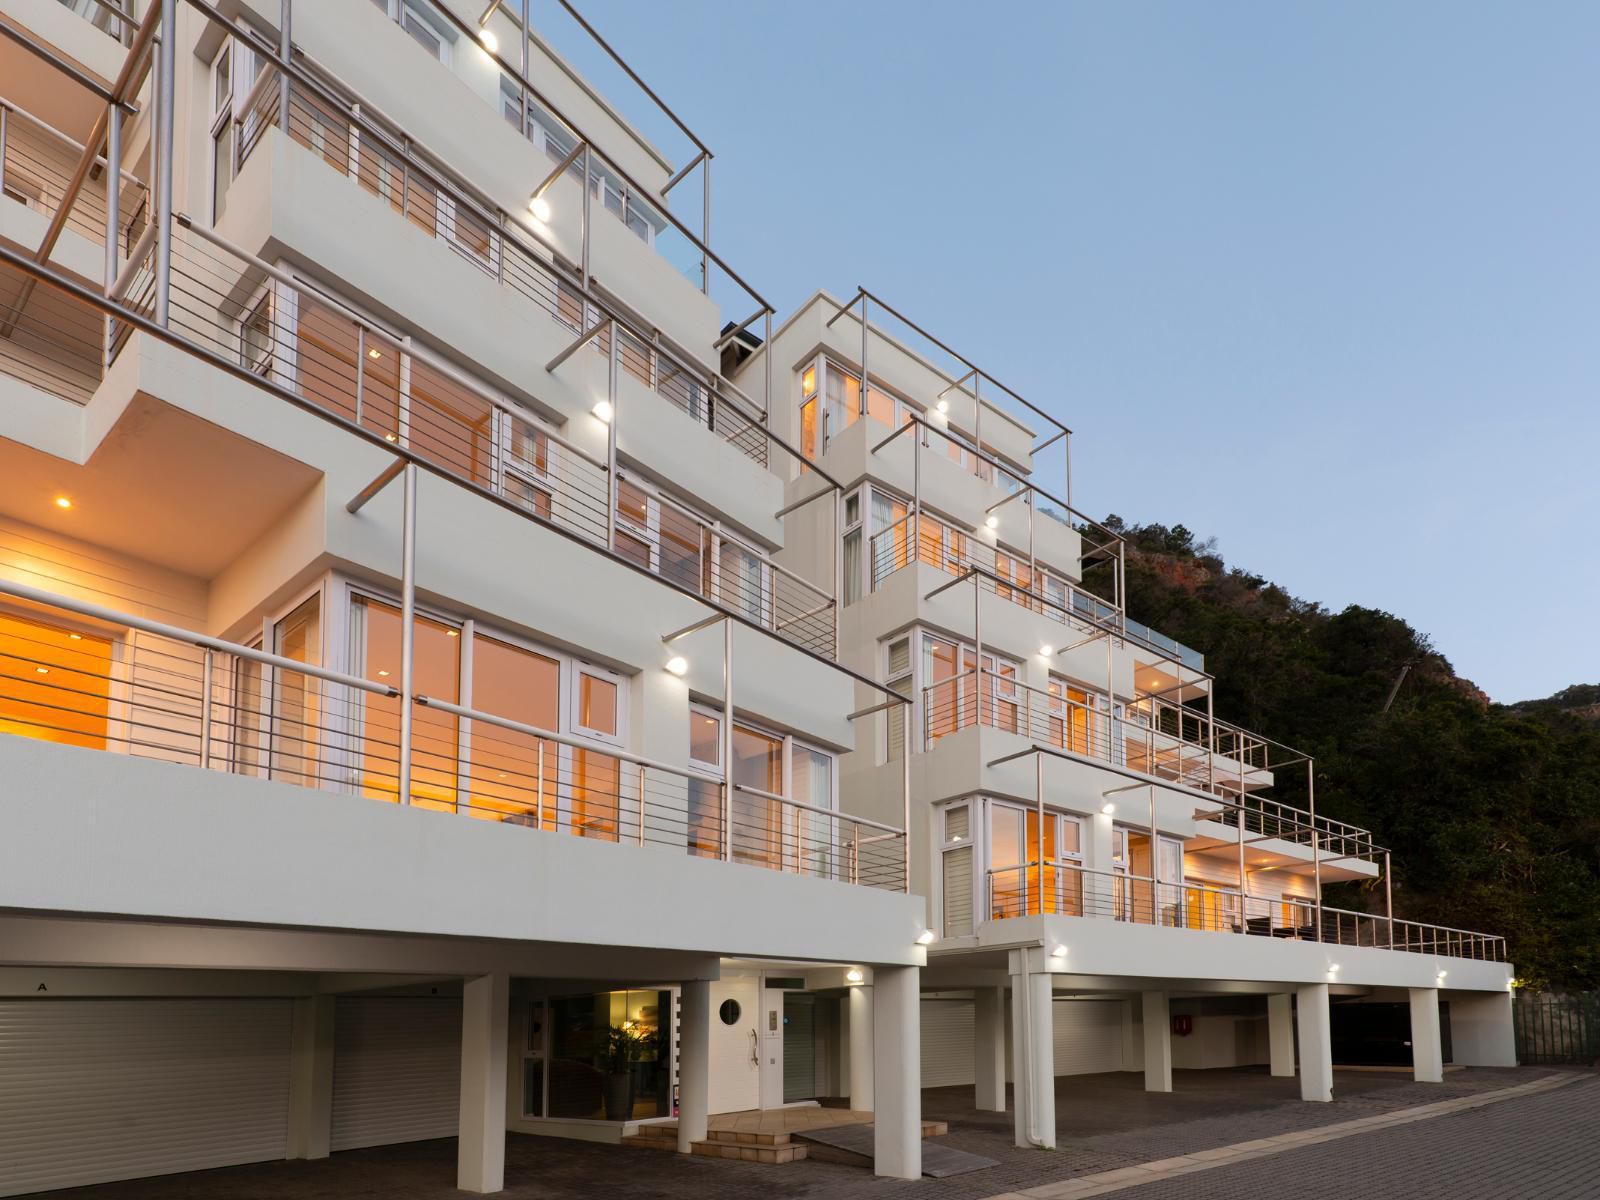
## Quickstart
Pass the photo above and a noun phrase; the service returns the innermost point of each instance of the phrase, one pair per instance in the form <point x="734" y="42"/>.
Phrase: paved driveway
<point x="1533" y="1146"/>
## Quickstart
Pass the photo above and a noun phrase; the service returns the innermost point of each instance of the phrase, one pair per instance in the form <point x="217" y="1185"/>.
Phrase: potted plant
<point x="626" y="1044"/>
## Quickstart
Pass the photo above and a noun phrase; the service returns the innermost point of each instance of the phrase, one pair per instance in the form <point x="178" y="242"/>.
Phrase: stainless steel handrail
<point x="111" y="616"/>
<point x="832" y="813"/>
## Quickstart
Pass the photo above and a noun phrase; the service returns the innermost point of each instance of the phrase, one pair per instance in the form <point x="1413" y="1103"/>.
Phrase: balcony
<point x="1148" y="736"/>
<point x="86" y="676"/>
<point x="1070" y="890"/>
<point x="1012" y="576"/>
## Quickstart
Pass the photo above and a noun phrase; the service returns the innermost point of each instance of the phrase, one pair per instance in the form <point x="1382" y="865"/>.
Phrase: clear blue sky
<point x="1321" y="280"/>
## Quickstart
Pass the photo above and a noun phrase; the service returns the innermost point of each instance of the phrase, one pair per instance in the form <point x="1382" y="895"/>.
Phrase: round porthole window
<point x="729" y="1012"/>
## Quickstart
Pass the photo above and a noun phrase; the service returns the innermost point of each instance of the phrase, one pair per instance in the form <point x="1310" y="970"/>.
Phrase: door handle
<point x="755" y="1048"/>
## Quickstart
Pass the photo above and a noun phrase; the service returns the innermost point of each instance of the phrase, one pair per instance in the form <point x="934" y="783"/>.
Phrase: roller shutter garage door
<point x="96" y="1090"/>
<point x="1087" y="1036"/>
<point x="947" y="1049"/>
<point x="396" y="1070"/>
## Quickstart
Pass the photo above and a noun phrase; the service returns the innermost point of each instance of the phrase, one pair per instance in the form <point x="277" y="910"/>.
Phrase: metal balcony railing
<point x="36" y="166"/>
<point x="286" y="331"/>
<point x="349" y="142"/>
<point x="1069" y="889"/>
<point x="156" y="691"/>
<point x="113" y="19"/>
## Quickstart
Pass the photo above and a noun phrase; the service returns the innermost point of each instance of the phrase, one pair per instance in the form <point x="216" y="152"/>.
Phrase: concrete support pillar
<point x="1033" y="1068"/>
<point x="897" y="1073"/>
<point x="1157" y="1043"/>
<point x="1280" y="1034"/>
<point x="861" y="1048"/>
<point x="1427" y="1050"/>
<point x="694" y="1062"/>
<point x="481" y="1151"/>
<point x="1316" y="1042"/>
<point x="1481" y="1029"/>
<point x="989" y="1048"/>
<point x="311" y="1077"/>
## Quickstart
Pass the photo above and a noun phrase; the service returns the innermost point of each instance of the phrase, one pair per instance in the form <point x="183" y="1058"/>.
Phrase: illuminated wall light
<point x="1109" y="807"/>
<point x="1058" y="951"/>
<point x="1047" y="651"/>
<point x="854" y="975"/>
<point x="677" y="665"/>
<point x="1333" y="968"/>
<point x="943" y="406"/>
<point x="991" y="522"/>
<point x="490" y="42"/>
<point x="383" y="674"/>
<point x="603" y="412"/>
<point x="925" y="937"/>
<point x="63" y="502"/>
<point x="540" y="208"/>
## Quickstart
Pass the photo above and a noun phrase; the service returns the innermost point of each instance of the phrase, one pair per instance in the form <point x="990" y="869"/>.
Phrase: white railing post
<point x="905" y="793"/>
<point x="611" y="441"/>
<point x="166" y="72"/>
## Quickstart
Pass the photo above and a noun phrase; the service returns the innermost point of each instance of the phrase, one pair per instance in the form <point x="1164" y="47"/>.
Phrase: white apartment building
<point x="1112" y="882"/>
<point x="388" y="457"/>
<point x="409" y="730"/>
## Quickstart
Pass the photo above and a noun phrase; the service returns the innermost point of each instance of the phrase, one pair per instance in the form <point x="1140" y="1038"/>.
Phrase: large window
<point x="766" y="832"/>
<point x="375" y="630"/>
<point x="514" y="776"/>
<point x="1030" y="873"/>
<point x="956" y="696"/>
<point x="599" y="1057"/>
<point x="55" y="682"/>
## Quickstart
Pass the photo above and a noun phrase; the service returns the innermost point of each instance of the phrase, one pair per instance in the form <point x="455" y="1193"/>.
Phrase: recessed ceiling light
<point x="383" y="673"/>
<point x="374" y="353"/>
<point x="63" y="502"/>
<point x="41" y="670"/>
<point x="76" y="637"/>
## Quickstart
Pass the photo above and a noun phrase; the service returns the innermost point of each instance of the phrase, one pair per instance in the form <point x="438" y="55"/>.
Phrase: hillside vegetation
<point x="1492" y="811"/>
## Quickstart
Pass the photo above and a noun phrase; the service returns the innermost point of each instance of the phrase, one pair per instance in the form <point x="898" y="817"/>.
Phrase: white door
<point x="96" y="1090"/>
<point x="735" y="1045"/>
<point x="396" y="1070"/>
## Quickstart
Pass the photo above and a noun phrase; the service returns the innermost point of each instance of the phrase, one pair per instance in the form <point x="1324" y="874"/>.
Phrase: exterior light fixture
<point x="854" y="975"/>
<point x="540" y="208"/>
<point x="1109" y="807"/>
<point x="75" y="637"/>
<point x="1047" y="651"/>
<point x="374" y="353"/>
<point x="603" y="412"/>
<point x="925" y="937"/>
<point x="41" y="670"/>
<point x="1058" y="951"/>
<point x="63" y="502"/>
<point x="383" y="673"/>
<point x="490" y="42"/>
<point x="391" y="437"/>
<point x="992" y="521"/>
<point x="677" y="665"/>
<point x="1441" y="975"/>
<point x="1333" y="968"/>
<point x="943" y="406"/>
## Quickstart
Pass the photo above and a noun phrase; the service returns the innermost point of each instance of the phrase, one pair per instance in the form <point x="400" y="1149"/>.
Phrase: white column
<point x="481" y="1151"/>
<point x="1316" y="1042"/>
<point x="694" y="1062"/>
<point x="861" y="1051"/>
<point x="989" y="1048"/>
<point x="311" y="1077"/>
<point x="1481" y="1029"/>
<point x="1033" y="1068"/>
<point x="1157" y="1043"/>
<point x="897" y="1073"/>
<point x="1280" y="1034"/>
<point x="1427" y="1050"/>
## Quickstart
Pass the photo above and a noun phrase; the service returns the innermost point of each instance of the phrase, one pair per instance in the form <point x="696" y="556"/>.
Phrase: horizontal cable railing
<point x="49" y="340"/>
<point x="285" y="330"/>
<point x="115" y="20"/>
<point x="37" y="162"/>
<point x="137" y="687"/>
<point x="942" y="546"/>
<point x="491" y="243"/>
<point x="1069" y="889"/>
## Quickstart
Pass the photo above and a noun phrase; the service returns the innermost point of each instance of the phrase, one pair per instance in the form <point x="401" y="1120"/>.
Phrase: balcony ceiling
<point x="34" y="86"/>
<point x="164" y="486"/>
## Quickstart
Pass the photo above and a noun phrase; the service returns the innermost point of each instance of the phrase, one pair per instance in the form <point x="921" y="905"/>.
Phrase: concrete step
<point x="767" y="1148"/>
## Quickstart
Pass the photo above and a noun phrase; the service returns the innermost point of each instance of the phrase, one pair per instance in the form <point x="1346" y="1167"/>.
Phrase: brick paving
<point x="1533" y="1146"/>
